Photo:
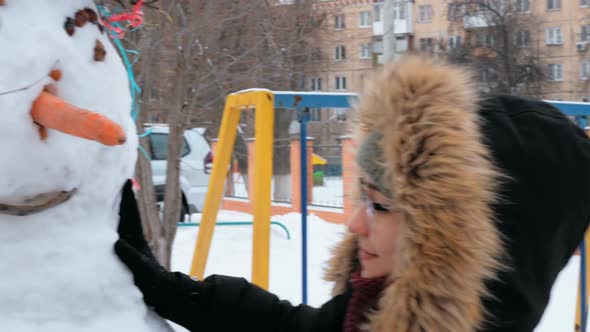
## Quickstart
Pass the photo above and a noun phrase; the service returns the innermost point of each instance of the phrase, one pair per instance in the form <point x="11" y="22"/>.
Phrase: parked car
<point x="195" y="166"/>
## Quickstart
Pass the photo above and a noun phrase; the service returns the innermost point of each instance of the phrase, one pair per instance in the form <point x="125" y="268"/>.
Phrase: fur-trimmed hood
<point x="446" y="163"/>
<point x="444" y="183"/>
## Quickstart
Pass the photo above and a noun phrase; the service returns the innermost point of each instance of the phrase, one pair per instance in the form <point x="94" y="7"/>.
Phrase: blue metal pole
<point x="303" y="142"/>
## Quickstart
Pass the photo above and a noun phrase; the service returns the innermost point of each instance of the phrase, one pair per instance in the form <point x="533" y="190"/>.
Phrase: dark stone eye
<point x="81" y="18"/>
<point x="70" y="26"/>
<point x="99" y="51"/>
<point x="92" y="16"/>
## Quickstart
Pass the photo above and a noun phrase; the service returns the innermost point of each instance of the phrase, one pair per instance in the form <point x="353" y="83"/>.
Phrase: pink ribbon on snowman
<point x="133" y="19"/>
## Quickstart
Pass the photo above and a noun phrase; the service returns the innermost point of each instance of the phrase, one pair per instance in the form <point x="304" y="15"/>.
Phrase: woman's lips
<point x="365" y="255"/>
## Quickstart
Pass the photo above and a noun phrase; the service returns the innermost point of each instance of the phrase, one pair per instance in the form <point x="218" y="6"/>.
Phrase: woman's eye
<point x="380" y="207"/>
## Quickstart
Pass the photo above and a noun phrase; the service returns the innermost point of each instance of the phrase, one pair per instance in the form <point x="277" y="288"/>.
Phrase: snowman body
<point x="58" y="270"/>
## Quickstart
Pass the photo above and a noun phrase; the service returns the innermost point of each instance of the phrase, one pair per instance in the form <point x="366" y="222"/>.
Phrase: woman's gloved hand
<point x="130" y="229"/>
<point x="173" y="295"/>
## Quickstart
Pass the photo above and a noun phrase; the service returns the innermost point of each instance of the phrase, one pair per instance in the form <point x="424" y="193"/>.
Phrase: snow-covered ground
<point x="330" y="194"/>
<point x="231" y="252"/>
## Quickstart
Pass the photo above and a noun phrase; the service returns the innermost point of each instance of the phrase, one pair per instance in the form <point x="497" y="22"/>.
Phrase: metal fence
<point x="281" y="172"/>
<point x="327" y="176"/>
<point x="236" y="184"/>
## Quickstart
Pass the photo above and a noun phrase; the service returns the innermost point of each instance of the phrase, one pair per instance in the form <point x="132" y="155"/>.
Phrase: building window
<point x="584" y="3"/>
<point x="316" y="54"/>
<point x="301" y="82"/>
<point x="426" y="44"/>
<point x="523" y="38"/>
<point x="365" y="51"/>
<point x="555" y="72"/>
<point x="341" y="114"/>
<point x="401" y="44"/>
<point x="339" y="22"/>
<point x="377" y="13"/>
<point x="399" y="11"/>
<point x="316" y="84"/>
<point x="522" y="6"/>
<point x="425" y="13"/>
<point x="585" y="70"/>
<point x="455" y="11"/>
<point x="378" y="45"/>
<point x="315" y="114"/>
<point x="454" y="42"/>
<point x="365" y="19"/>
<point x="485" y="38"/>
<point x="340" y="52"/>
<point x="553" y="4"/>
<point x="340" y="83"/>
<point x="497" y="5"/>
<point x="585" y="35"/>
<point x="553" y="36"/>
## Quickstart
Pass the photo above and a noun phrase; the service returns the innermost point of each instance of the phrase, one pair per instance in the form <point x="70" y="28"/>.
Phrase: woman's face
<point x="376" y="225"/>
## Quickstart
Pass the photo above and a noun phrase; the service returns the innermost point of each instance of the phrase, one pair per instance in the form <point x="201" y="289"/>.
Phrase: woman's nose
<point x="357" y="223"/>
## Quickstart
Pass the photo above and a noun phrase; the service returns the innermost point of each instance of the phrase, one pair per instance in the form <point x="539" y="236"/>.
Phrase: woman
<point x="468" y="211"/>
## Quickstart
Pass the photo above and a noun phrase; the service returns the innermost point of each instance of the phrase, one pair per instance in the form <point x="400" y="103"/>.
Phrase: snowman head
<point x="66" y="128"/>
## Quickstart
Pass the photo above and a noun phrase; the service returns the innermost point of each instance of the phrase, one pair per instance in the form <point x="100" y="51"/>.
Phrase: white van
<point x="195" y="165"/>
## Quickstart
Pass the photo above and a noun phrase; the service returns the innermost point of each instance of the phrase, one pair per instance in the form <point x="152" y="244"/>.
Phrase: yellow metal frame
<point x="263" y="103"/>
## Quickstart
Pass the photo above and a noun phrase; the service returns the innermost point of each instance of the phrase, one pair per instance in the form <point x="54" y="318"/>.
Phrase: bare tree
<point x="195" y="52"/>
<point x="500" y="42"/>
<point x="147" y="41"/>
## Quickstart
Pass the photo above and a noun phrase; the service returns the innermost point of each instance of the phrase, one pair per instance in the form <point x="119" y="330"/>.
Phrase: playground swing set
<point x="264" y="102"/>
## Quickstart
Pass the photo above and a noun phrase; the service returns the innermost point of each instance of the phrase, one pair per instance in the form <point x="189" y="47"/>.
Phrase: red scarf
<point x="365" y="294"/>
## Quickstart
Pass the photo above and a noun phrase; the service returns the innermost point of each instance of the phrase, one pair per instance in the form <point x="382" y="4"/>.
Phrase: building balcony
<point x="479" y="20"/>
<point x="401" y="16"/>
<point x="378" y="28"/>
<point x="378" y="59"/>
<point x="402" y="27"/>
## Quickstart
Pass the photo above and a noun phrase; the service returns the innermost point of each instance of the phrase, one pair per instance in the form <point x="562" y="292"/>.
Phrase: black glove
<point x="173" y="295"/>
<point x="130" y="228"/>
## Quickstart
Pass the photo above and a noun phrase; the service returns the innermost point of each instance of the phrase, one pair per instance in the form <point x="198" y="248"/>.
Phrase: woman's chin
<point x="369" y="270"/>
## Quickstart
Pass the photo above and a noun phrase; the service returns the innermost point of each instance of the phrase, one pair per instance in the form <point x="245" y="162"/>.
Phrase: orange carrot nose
<point x="52" y="112"/>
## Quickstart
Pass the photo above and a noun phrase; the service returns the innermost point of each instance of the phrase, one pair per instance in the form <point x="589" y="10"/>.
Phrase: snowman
<point x="67" y="145"/>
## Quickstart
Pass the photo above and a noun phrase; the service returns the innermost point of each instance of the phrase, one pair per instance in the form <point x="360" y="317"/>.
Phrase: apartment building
<point x="566" y="31"/>
<point x="341" y="62"/>
<point x="561" y="33"/>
